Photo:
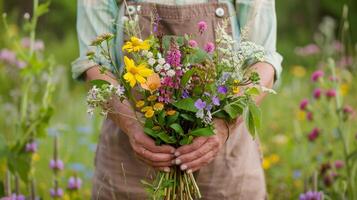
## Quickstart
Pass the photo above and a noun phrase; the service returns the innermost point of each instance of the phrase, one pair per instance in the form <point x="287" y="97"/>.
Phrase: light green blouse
<point x="95" y="17"/>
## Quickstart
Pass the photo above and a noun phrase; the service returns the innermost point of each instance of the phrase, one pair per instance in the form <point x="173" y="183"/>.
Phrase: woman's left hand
<point x="202" y="150"/>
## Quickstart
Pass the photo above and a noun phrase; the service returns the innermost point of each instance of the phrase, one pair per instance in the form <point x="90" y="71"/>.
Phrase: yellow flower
<point x="135" y="73"/>
<point x="152" y="98"/>
<point x="149" y="113"/>
<point x="298" y="71"/>
<point x="274" y="158"/>
<point x="301" y="115"/>
<point x="236" y="81"/>
<point x="344" y="89"/>
<point x="156" y="128"/>
<point x="171" y="112"/>
<point x="146" y="108"/>
<point x="152" y="83"/>
<point x="236" y="90"/>
<point x="158" y="106"/>
<point x="140" y="104"/>
<point x="35" y="157"/>
<point x="136" y="44"/>
<point x="266" y="164"/>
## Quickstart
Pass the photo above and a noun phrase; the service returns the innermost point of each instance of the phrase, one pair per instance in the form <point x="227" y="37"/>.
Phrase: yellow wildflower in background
<point x="266" y="163"/>
<point x="135" y="73"/>
<point x="136" y="44"/>
<point x="301" y="115"/>
<point x="344" y="89"/>
<point x="298" y="71"/>
<point x="35" y="157"/>
<point x="158" y="106"/>
<point x="171" y="112"/>
<point x="152" y="98"/>
<point x="274" y="158"/>
<point x="140" y="104"/>
<point x="146" y="108"/>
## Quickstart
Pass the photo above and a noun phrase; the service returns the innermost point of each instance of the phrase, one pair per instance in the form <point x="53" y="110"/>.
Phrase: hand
<point x="203" y="149"/>
<point x="159" y="157"/>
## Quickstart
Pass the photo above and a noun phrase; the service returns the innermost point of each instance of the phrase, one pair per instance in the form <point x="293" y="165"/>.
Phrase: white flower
<point x="144" y="52"/>
<point x="167" y="66"/>
<point x="161" y="61"/>
<point x="208" y="118"/>
<point x="151" y="61"/>
<point x="171" y="73"/>
<point x="158" y="68"/>
<point x="120" y="90"/>
<point x="149" y="55"/>
<point x="159" y="55"/>
<point x="200" y="114"/>
<point x="162" y="74"/>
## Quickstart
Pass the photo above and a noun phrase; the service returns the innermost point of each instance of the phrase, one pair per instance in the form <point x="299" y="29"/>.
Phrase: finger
<point x="196" y="154"/>
<point x="164" y="169"/>
<point x="198" y="163"/>
<point x="153" y="157"/>
<point x="149" y="144"/>
<point x="156" y="164"/>
<point x="197" y="142"/>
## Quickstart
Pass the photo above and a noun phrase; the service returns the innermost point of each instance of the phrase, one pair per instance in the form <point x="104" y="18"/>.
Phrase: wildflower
<point x="135" y="73"/>
<point x="303" y="104"/>
<point x="171" y="112"/>
<point x="200" y="114"/>
<point x="215" y="101"/>
<point x="8" y="56"/>
<point x="149" y="113"/>
<point x="344" y="89"/>
<point x="348" y="110"/>
<point x="314" y="134"/>
<point x="339" y="164"/>
<point x="222" y="89"/>
<point x="161" y="61"/>
<point x="38" y="44"/>
<point x="74" y="183"/>
<point x="152" y="83"/>
<point x="136" y="44"/>
<point x="200" y="105"/>
<point x="151" y="61"/>
<point x="317" y="75"/>
<point x="171" y="73"/>
<point x="58" y="192"/>
<point x="152" y="98"/>
<point x="331" y="93"/>
<point x="140" y="104"/>
<point x="209" y="47"/>
<point x="345" y="61"/>
<point x="35" y="157"/>
<point x="236" y="90"/>
<point x="31" y="147"/>
<point x="328" y="179"/>
<point x="174" y="57"/>
<point x="185" y="94"/>
<point x="311" y="195"/>
<point x="56" y="164"/>
<point x="274" y="158"/>
<point x="202" y="26"/>
<point x="317" y="93"/>
<point x="192" y="43"/>
<point x="119" y="90"/>
<point x="298" y="71"/>
<point x="307" y="50"/>
<point x="158" y="106"/>
<point x="310" y="116"/>
<point x="266" y="163"/>
<point x="146" y="108"/>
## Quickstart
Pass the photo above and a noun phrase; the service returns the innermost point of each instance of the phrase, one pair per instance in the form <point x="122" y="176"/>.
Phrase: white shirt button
<point x="131" y="10"/>
<point x="220" y="12"/>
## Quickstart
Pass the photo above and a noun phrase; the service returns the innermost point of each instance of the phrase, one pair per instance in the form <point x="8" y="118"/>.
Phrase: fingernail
<point x="183" y="167"/>
<point x="177" y="161"/>
<point x="166" y="169"/>
<point x="173" y="162"/>
<point x="189" y="171"/>
<point x="177" y="153"/>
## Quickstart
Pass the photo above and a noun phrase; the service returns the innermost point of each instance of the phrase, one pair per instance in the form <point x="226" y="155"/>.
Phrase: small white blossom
<point x="151" y="61"/>
<point x="120" y="91"/>
<point x="144" y="52"/>
<point x="167" y="66"/>
<point x="161" y="61"/>
<point x="200" y="114"/>
<point x="158" y="68"/>
<point x="171" y="73"/>
<point x="149" y="55"/>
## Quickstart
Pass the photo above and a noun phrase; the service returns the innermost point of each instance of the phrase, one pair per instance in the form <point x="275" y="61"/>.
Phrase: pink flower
<point x="303" y="104"/>
<point x="192" y="43"/>
<point x="56" y="164"/>
<point x="202" y="26"/>
<point x="348" y="110"/>
<point x="74" y="183"/>
<point x="331" y="93"/>
<point x="339" y="164"/>
<point x="333" y="78"/>
<point x="317" y="75"/>
<point x="345" y="61"/>
<point x="338" y="46"/>
<point x="307" y="50"/>
<point x="209" y="47"/>
<point x="310" y="116"/>
<point x="314" y="134"/>
<point x="174" y="57"/>
<point x="317" y="93"/>
<point x="38" y="45"/>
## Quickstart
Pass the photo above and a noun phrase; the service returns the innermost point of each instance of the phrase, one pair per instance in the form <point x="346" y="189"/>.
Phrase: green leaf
<point x="186" y="140"/>
<point x="99" y="82"/>
<point x="253" y="91"/>
<point x="234" y="109"/>
<point x="222" y="115"/>
<point x="207" y="131"/>
<point x="166" y="138"/>
<point x="252" y="117"/>
<point x="149" y="123"/>
<point x="187" y="104"/>
<point x="198" y="56"/>
<point x="161" y="118"/>
<point x="42" y="9"/>
<point x="150" y="132"/>
<point x="171" y="119"/>
<point x="187" y="117"/>
<point x="177" y="127"/>
<point x="186" y="77"/>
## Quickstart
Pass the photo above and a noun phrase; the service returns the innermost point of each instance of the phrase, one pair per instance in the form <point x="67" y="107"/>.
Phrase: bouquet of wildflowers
<point x="179" y="88"/>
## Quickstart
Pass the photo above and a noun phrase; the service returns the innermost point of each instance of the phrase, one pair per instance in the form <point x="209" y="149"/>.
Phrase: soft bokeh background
<point x="281" y="137"/>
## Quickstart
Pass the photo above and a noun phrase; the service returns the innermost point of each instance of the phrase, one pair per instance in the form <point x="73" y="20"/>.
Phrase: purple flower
<point x="38" y="45"/>
<point x="8" y="56"/>
<point x="339" y="164"/>
<point x="200" y="105"/>
<point x="192" y="43"/>
<point x="317" y="93"/>
<point x="303" y="104"/>
<point x="222" y="89"/>
<point x="307" y="50"/>
<point x="215" y="101"/>
<point x="56" y="192"/>
<point x="331" y="93"/>
<point x="209" y="47"/>
<point x="56" y="164"/>
<point x="314" y="134"/>
<point x="311" y="195"/>
<point x="31" y="147"/>
<point x="348" y="110"/>
<point x="202" y="26"/>
<point x="174" y="57"/>
<point x="14" y="197"/>
<point x="317" y="75"/>
<point x="74" y="183"/>
<point x="185" y="94"/>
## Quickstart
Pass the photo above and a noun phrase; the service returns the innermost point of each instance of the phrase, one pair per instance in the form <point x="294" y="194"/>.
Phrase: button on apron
<point x="220" y="12"/>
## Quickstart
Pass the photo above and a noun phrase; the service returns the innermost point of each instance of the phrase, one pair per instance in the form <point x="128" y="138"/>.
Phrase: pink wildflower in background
<point x="317" y="93"/>
<point x="314" y="134"/>
<point x="192" y="43"/>
<point x="209" y="47"/>
<point x="202" y="26"/>
<point x="317" y="75"/>
<point x="331" y="93"/>
<point x="303" y="104"/>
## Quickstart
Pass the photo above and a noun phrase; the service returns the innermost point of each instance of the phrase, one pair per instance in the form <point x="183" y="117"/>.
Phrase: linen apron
<point x="236" y="172"/>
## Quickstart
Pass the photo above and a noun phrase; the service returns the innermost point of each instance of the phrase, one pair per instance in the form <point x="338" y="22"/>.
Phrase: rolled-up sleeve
<point x="94" y="17"/>
<point x="257" y="19"/>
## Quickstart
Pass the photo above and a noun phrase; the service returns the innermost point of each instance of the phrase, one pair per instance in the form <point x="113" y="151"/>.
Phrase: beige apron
<point x="235" y="173"/>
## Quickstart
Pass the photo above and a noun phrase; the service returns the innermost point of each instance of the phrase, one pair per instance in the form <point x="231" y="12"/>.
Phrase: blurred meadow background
<point x="309" y="133"/>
